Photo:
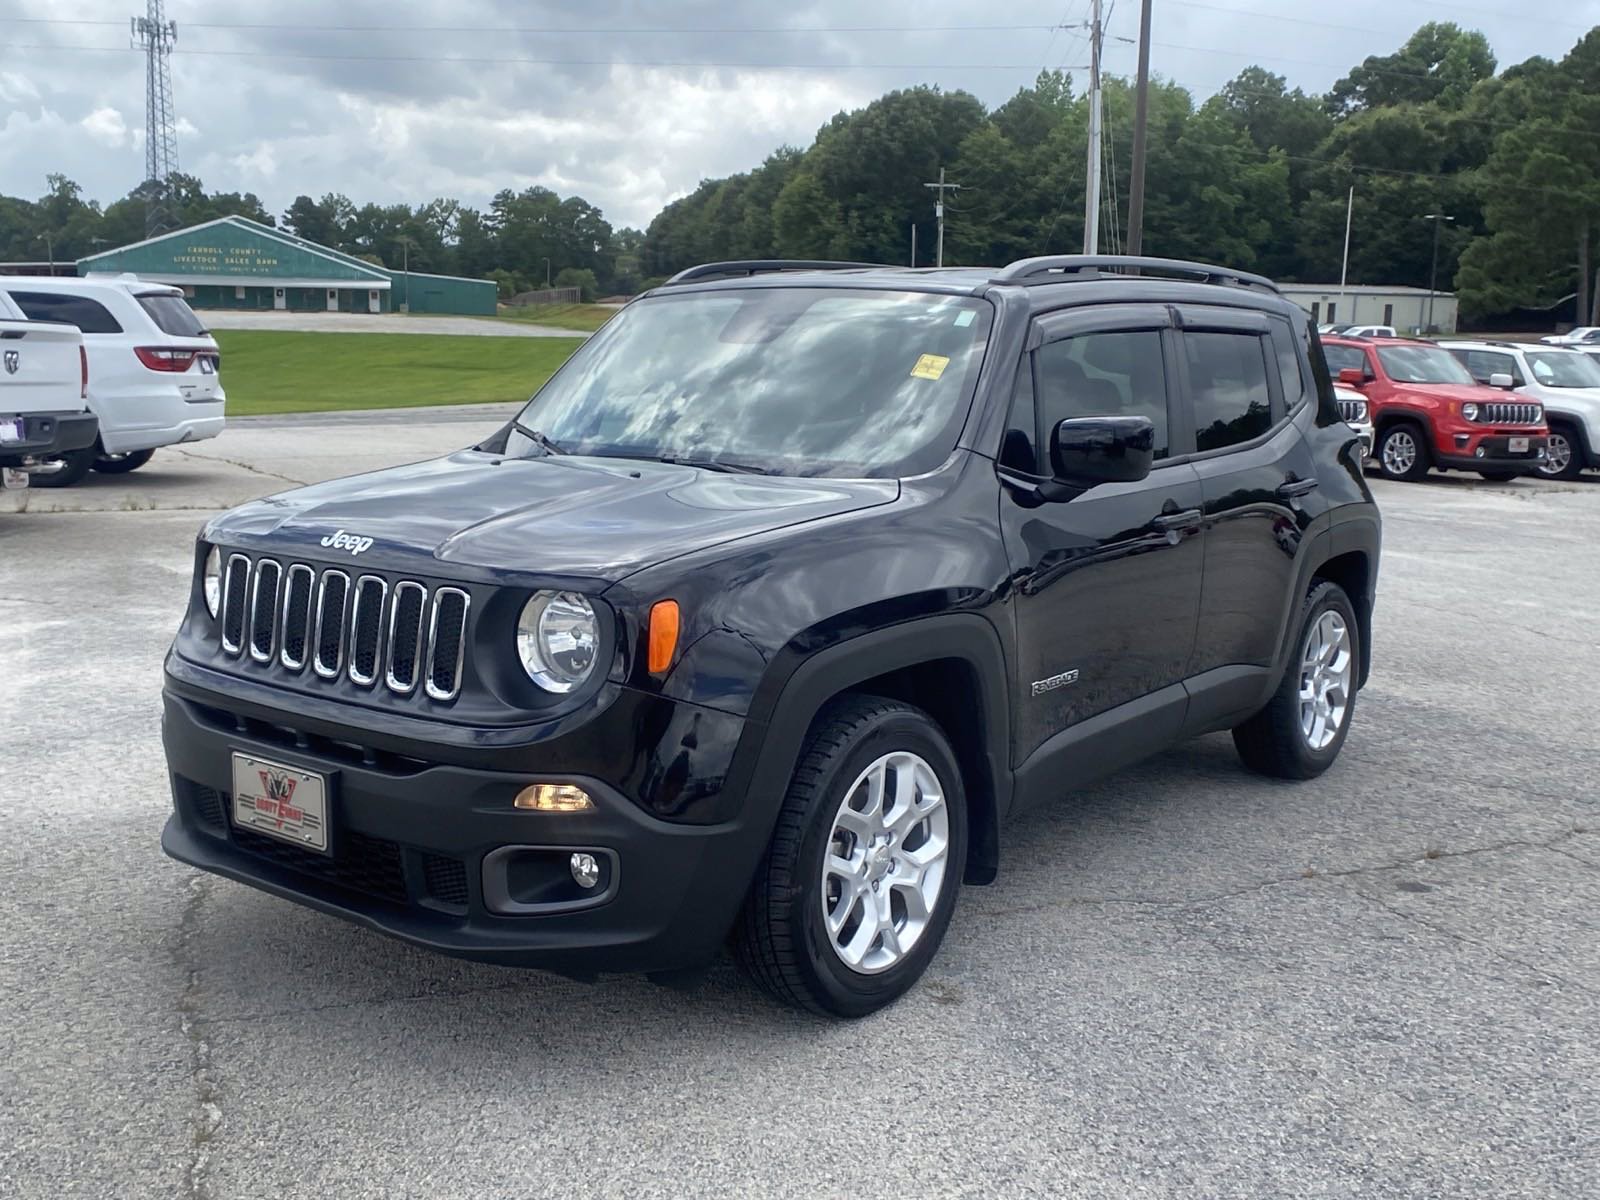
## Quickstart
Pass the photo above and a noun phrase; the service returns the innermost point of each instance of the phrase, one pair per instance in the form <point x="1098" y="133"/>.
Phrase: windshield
<point x="1344" y="358"/>
<point x="1422" y="364"/>
<point x="1567" y="370"/>
<point x="171" y="314"/>
<point x="797" y="381"/>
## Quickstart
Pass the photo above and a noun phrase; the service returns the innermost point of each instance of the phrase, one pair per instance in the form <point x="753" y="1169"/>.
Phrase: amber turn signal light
<point x="663" y="635"/>
<point x="553" y="797"/>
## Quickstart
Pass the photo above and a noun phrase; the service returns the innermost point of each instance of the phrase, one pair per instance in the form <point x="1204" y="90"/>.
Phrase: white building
<point x="1406" y="308"/>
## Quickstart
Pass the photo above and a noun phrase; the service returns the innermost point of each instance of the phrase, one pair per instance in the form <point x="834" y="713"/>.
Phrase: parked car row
<point x="151" y="367"/>
<point x="1501" y="409"/>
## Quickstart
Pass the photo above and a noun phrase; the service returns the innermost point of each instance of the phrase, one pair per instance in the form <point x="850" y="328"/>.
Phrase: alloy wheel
<point x="885" y="863"/>
<point x="1325" y="670"/>
<point x="1399" y="452"/>
<point x="1557" y="455"/>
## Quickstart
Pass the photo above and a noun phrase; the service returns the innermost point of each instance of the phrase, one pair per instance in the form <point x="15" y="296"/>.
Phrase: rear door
<point x="1245" y="383"/>
<point x="1106" y="585"/>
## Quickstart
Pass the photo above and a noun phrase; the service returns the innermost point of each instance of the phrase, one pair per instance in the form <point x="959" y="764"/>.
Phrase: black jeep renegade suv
<point x="766" y="611"/>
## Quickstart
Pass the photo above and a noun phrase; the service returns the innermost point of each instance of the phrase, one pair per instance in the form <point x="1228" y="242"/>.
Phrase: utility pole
<point x="155" y="35"/>
<point x="938" y="209"/>
<point x="913" y="243"/>
<point x="1438" y="220"/>
<point x="1349" y="214"/>
<point x="1141" y="119"/>
<point x="1091" y="208"/>
<point x="50" y="251"/>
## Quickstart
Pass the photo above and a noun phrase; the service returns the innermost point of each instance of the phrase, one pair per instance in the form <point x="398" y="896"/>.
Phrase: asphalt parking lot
<point x="1188" y="981"/>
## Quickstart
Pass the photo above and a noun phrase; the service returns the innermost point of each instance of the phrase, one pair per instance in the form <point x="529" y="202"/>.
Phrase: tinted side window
<point x="1295" y="384"/>
<point x="90" y="316"/>
<point x="1112" y="374"/>
<point x="1019" y="450"/>
<point x="1344" y="358"/>
<point x="1228" y="383"/>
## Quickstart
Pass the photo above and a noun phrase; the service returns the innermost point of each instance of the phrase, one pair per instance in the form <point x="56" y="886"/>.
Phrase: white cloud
<point x="106" y="126"/>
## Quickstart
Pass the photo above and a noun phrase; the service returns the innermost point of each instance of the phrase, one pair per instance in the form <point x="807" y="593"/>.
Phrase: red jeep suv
<point x="1427" y="411"/>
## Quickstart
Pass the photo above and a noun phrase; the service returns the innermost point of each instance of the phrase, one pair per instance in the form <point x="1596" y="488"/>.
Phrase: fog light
<point x="585" y="869"/>
<point x="1480" y="452"/>
<point x="553" y="797"/>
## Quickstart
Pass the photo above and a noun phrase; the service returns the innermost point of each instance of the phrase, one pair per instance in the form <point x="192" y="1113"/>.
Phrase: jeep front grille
<point x="364" y="630"/>
<point x="1502" y="412"/>
<point x="1351" y="410"/>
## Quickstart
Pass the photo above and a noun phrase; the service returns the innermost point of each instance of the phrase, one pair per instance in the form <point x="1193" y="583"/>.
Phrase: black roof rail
<point x="761" y="266"/>
<point x="1053" y="267"/>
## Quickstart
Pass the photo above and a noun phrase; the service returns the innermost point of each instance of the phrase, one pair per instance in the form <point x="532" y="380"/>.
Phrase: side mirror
<point x="1352" y="377"/>
<point x="1085" y="451"/>
<point x="1502" y="381"/>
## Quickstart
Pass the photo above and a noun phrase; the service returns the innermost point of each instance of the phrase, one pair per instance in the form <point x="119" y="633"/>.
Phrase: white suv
<point x="1564" y="380"/>
<point x="153" y="367"/>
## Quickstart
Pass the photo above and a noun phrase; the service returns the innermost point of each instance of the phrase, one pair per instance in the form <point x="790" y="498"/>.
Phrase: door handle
<point x="1292" y="488"/>
<point x="1172" y="522"/>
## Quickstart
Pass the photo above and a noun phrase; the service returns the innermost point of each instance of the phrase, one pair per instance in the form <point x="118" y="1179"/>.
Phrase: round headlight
<point x="1538" y="414"/>
<point x="558" y="637"/>
<point x="1469" y="411"/>
<point x="211" y="581"/>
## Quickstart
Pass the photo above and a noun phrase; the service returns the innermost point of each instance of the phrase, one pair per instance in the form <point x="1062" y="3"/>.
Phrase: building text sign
<point x="230" y="260"/>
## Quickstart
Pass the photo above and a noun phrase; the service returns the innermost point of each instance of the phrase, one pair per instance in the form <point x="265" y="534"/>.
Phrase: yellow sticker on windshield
<point x="930" y="366"/>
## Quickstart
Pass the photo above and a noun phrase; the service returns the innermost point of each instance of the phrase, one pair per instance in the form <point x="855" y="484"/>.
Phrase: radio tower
<point x="155" y="35"/>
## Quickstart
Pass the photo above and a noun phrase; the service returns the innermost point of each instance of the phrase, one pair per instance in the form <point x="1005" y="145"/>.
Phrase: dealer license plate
<point x="1517" y="445"/>
<point x="282" y="802"/>
<point x="13" y="478"/>
<point x="11" y="429"/>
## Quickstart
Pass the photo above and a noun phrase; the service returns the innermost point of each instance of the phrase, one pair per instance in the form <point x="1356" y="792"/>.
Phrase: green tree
<point x="1441" y="62"/>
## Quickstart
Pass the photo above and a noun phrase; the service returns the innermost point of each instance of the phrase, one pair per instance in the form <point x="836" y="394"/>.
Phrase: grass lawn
<point x="272" y="372"/>
<point x="587" y="317"/>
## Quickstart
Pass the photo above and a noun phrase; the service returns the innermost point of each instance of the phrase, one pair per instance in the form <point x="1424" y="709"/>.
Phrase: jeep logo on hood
<point x="340" y="540"/>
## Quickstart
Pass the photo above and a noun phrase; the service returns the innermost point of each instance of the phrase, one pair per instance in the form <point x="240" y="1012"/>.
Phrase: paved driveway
<point x="1187" y="982"/>
<point x="325" y="322"/>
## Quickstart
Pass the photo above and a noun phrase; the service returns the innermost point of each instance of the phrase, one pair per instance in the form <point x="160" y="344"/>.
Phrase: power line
<point x="557" y="30"/>
<point x="475" y="60"/>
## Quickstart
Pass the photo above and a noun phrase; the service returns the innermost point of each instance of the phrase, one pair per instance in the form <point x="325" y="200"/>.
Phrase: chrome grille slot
<point x="366" y="629"/>
<point x="235" y="585"/>
<point x="1501" y="412"/>
<point x="294" y="631"/>
<point x="333" y="601"/>
<point x="264" y="608"/>
<point x="447" y="643"/>
<point x="406" y="612"/>
<point x="1351" y="410"/>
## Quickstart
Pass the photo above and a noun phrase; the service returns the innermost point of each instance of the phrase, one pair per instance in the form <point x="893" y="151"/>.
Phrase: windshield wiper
<point x="714" y="464"/>
<point x="537" y="438"/>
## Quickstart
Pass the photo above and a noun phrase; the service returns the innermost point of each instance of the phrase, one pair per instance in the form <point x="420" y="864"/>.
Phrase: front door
<point x="1106" y="586"/>
<point x="279" y="300"/>
<point x="333" y="300"/>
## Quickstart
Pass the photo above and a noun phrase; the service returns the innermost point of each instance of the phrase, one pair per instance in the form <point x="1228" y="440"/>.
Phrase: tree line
<point x="1258" y="177"/>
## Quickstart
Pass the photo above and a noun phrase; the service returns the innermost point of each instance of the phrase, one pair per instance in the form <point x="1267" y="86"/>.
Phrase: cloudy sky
<point x="628" y="104"/>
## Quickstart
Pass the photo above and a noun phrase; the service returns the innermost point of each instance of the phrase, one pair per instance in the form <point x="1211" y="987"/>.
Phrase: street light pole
<point x="547" y="274"/>
<point x="50" y="251"/>
<point x="1438" y="220"/>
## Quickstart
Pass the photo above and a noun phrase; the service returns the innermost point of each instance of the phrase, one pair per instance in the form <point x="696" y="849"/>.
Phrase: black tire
<point x="1573" y="466"/>
<point x="1272" y="742"/>
<point x="121" y="464"/>
<point x="1421" y="461"/>
<point x="1501" y="476"/>
<point x="781" y="940"/>
<point x="65" y="470"/>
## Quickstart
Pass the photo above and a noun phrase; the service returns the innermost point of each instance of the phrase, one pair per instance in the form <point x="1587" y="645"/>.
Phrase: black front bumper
<point x="1498" y="457"/>
<point x="46" y="435"/>
<point x="413" y="852"/>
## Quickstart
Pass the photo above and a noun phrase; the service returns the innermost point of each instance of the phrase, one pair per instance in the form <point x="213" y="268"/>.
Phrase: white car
<point x="153" y="367"/>
<point x="1353" y="408"/>
<point x="1383" y="331"/>
<point x="1583" y="335"/>
<point x="1564" y="380"/>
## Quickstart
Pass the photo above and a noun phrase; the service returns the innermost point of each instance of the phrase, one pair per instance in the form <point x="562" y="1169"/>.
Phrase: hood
<point x="587" y="517"/>
<point x="1475" y="393"/>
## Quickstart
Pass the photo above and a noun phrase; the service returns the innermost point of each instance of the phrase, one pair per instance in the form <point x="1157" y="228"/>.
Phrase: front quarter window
<point x="786" y="380"/>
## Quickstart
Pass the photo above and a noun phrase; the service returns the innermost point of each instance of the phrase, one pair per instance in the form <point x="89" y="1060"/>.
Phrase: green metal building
<point x="234" y="262"/>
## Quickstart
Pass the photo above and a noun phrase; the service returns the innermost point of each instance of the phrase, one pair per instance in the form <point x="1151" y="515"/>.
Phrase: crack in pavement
<point x="1467" y="940"/>
<point x="207" y="1118"/>
<point x="243" y="466"/>
<point x="1310" y="873"/>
